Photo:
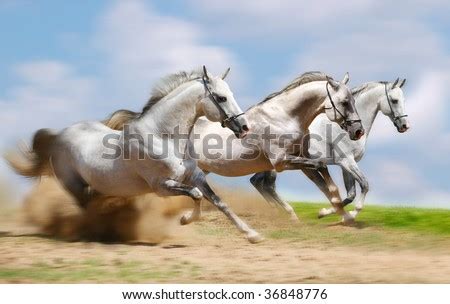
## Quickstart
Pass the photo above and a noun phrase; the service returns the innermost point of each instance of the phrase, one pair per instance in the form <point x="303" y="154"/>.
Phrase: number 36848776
<point x="300" y="294"/>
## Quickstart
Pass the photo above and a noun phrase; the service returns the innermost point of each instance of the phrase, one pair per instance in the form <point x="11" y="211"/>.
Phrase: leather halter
<point x="395" y="117"/>
<point x="213" y="98"/>
<point x="347" y="122"/>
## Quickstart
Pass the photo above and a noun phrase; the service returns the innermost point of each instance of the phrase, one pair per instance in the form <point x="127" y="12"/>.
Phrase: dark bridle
<point x="213" y="97"/>
<point x="347" y="122"/>
<point x="395" y="117"/>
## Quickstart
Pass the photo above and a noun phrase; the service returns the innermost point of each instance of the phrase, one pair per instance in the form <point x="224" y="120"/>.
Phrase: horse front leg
<point x="352" y="168"/>
<point x="336" y="200"/>
<point x="174" y="188"/>
<point x="325" y="183"/>
<point x="325" y="180"/>
<point x="199" y="180"/>
<point x="319" y="181"/>
<point x="350" y="186"/>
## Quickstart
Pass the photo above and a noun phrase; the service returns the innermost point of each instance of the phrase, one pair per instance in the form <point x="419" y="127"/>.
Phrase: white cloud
<point x="292" y="21"/>
<point x="275" y="19"/>
<point x="403" y="184"/>
<point x="385" y="51"/>
<point x="49" y="94"/>
<point x="141" y="45"/>
<point x="398" y="176"/>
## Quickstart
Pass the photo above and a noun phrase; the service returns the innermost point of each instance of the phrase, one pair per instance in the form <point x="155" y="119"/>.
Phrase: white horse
<point x="283" y="117"/>
<point x="329" y="139"/>
<point x="90" y="158"/>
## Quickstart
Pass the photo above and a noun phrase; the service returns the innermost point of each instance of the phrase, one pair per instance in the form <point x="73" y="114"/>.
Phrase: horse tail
<point x="34" y="162"/>
<point x="118" y="119"/>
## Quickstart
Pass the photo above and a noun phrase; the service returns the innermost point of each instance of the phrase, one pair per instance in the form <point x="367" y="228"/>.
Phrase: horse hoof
<point x="322" y="213"/>
<point x="353" y="214"/>
<point x="196" y="193"/>
<point x="254" y="237"/>
<point x="295" y="219"/>
<point x="348" y="220"/>
<point x="184" y="220"/>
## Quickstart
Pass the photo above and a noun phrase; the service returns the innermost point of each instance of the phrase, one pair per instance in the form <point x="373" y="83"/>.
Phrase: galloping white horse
<point x="90" y="158"/>
<point x="284" y="118"/>
<point x="329" y="139"/>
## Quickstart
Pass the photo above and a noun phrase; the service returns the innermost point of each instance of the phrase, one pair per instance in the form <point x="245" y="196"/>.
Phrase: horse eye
<point x="345" y="103"/>
<point x="221" y="99"/>
<point x="394" y="101"/>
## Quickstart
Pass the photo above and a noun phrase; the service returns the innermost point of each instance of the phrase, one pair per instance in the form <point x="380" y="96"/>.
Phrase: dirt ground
<point x="211" y="251"/>
<point x="51" y="240"/>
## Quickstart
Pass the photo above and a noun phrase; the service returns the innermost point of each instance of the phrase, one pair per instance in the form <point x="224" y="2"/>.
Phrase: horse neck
<point x="179" y="110"/>
<point x="368" y="107"/>
<point x="303" y="103"/>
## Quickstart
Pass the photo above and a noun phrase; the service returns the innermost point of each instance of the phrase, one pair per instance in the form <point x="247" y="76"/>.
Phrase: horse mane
<point x="304" y="78"/>
<point x="356" y="91"/>
<point x="119" y="118"/>
<point x="169" y="83"/>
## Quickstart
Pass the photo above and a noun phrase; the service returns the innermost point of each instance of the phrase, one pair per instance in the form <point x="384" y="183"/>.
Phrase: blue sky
<point x="65" y="61"/>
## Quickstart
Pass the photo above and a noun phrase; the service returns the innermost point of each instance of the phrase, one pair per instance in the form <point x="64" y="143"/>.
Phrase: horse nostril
<point x="404" y="127"/>
<point x="245" y="128"/>
<point x="359" y="133"/>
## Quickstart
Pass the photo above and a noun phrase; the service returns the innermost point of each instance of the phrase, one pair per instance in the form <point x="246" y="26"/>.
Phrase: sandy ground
<point x="212" y="252"/>
<point x="51" y="240"/>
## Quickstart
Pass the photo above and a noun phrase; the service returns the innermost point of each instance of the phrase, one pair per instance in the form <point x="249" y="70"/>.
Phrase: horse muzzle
<point x="238" y="125"/>
<point x="402" y="125"/>
<point x="355" y="131"/>
<point x="358" y="134"/>
<point x="242" y="131"/>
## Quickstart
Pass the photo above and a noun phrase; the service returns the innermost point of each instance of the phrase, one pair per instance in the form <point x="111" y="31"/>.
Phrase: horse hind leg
<point x="257" y="180"/>
<point x="73" y="183"/>
<point x="265" y="183"/>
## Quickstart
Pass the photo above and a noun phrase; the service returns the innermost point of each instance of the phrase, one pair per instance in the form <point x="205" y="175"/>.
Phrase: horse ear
<point x="395" y="82"/>
<point x="332" y="82"/>
<point x="346" y="78"/>
<point x="225" y="74"/>
<point x="402" y="83"/>
<point x="205" y="73"/>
